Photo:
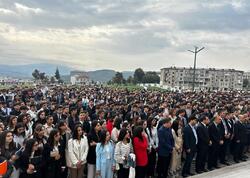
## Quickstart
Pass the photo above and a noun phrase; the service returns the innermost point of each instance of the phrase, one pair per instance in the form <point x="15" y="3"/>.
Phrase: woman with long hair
<point x="39" y="136"/>
<point x="10" y="151"/>
<point x="25" y="119"/>
<point x="116" y="130"/>
<point x="122" y="150"/>
<point x="52" y="154"/>
<point x="140" y="149"/>
<point x="41" y="118"/>
<point x="153" y="145"/>
<point x="31" y="160"/>
<point x="175" y="163"/>
<point x="12" y="123"/>
<point x="93" y="139"/>
<point x="105" y="163"/>
<point x="65" y="136"/>
<point x="19" y="134"/>
<point x="78" y="150"/>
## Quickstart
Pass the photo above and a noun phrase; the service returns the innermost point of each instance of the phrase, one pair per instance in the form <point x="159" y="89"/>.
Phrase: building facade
<point x="79" y="77"/>
<point x="246" y="75"/>
<point x="205" y="79"/>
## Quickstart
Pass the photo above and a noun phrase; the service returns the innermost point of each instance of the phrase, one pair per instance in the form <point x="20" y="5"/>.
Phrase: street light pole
<point x="196" y="50"/>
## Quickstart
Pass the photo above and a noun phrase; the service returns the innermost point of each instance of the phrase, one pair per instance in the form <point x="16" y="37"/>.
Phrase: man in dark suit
<point x="166" y="145"/>
<point x="92" y="110"/>
<point x="203" y="144"/>
<point x="217" y="140"/>
<point x="57" y="116"/>
<point x="226" y="134"/>
<point x="190" y="139"/>
<point x="181" y="115"/>
<point x="145" y="113"/>
<point x="240" y="139"/>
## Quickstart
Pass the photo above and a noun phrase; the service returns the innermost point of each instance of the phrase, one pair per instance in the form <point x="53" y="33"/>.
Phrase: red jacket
<point x="109" y="126"/>
<point x="140" y="149"/>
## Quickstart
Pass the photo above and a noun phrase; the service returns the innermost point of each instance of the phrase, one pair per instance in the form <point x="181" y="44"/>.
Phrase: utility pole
<point x="196" y="50"/>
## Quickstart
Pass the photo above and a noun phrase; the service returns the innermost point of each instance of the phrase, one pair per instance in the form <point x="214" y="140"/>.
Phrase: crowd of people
<point x="96" y="131"/>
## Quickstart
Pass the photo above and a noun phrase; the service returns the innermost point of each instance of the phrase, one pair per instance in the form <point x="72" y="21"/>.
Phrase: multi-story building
<point x="79" y="77"/>
<point x="205" y="79"/>
<point x="246" y="75"/>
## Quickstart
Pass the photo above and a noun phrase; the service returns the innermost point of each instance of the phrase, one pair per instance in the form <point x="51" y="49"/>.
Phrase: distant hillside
<point x="25" y="71"/>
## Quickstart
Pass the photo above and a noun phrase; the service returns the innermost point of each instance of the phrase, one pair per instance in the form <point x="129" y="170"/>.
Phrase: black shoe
<point x="236" y="161"/>
<point x="185" y="175"/>
<point x="210" y="169"/>
<point x="243" y="159"/>
<point x="225" y="163"/>
<point x="205" y="170"/>
<point x="191" y="174"/>
<point x="245" y="156"/>
<point x="199" y="172"/>
<point x="217" y="167"/>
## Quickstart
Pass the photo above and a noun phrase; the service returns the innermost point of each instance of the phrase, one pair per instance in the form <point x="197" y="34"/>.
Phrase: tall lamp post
<point x="196" y="50"/>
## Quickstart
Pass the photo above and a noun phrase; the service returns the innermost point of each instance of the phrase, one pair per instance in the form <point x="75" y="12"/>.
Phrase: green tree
<point x="130" y="80"/>
<point x="52" y="79"/>
<point x="138" y="75"/>
<point x="151" y="77"/>
<point x="42" y="76"/>
<point x="57" y="74"/>
<point x="118" y="78"/>
<point x="36" y="74"/>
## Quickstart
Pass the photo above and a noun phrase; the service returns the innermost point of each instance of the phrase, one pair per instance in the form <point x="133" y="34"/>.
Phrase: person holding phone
<point x="31" y="160"/>
<point x="8" y="149"/>
<point x="52" y="155"/>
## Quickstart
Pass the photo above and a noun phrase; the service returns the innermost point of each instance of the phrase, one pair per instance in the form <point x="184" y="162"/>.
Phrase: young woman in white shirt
<point x="78" y="150"/>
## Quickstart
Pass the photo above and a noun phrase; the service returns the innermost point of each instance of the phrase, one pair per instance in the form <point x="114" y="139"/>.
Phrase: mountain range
<point x="25" y="71"/>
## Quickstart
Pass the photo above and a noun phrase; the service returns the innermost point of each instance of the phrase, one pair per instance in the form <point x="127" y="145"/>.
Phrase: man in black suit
<point x="57" y="116"/>
<point x="145" y="113"/>
<point x="226" y="134"/>
<point x="181" y="115"/>
<point x="217" y="140"/>
<point x="92" y="110"/>
<point x="190" y="139"/>
<point x="203" y="144"/>
<point x="240" y="139"/>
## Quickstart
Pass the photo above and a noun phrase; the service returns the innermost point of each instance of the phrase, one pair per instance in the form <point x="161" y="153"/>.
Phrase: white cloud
<point x="126" y="34"/>
<point x="26" y="10"/>
<point x="6" y="11"/>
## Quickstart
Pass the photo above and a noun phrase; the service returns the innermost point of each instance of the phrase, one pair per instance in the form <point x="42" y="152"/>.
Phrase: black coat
<point x="214" y="134"/>
<point x="91" y="158"/>
<point x="189" y="138"/>
<point x="37" y="161"/>
<point x="203" y="136"/>
<point x="53" y="167"/>
<point x="240" y="132"/>
<point x="222" y="128"/>
<point x="72" y="121"/>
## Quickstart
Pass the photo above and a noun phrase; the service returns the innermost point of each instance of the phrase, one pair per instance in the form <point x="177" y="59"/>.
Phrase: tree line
<point x="42" y="77"/>
<point x="139" y="77"/>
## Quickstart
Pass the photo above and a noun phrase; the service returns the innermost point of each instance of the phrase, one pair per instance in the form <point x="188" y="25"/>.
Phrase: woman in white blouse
<point x="77" y="153"/>
<point x="153" y="145"/>
<point x="116" y="130"/>
<point x="122" y="150"/>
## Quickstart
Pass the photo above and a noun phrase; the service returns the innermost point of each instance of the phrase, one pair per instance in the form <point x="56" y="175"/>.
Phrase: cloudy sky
<point x="125" y="34"/>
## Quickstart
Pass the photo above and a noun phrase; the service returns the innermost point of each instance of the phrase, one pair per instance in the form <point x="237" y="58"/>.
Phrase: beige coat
<point x="175" y="163"/>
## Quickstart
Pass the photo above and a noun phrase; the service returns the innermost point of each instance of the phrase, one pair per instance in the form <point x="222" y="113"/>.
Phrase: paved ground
<point x="241" y="170"/>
